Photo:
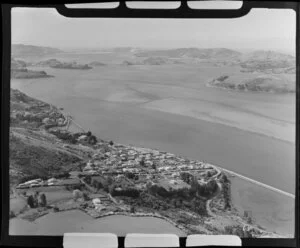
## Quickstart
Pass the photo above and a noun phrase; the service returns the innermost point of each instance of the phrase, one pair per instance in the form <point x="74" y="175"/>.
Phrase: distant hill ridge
<point x="206" y="53"/>
<point x="201" y="53"/>
<point x="21" y="50"/>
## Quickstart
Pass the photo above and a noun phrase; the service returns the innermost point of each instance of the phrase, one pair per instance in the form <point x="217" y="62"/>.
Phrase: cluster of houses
<point x="143" y="162"/>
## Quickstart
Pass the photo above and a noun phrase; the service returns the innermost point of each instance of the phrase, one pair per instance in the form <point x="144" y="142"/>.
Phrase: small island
<point x="97" y="63"/>
<point x="255" y="83"/>
<point x="54" y="63"/>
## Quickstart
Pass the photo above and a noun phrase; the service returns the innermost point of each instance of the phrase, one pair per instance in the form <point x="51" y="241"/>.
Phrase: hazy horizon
<point x="261" y="29"/>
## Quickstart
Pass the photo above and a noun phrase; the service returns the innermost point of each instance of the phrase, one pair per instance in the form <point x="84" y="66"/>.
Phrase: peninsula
<point x="56" y="172"/>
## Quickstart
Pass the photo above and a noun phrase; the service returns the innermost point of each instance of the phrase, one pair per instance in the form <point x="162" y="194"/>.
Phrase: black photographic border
<point x="123" y="12"/>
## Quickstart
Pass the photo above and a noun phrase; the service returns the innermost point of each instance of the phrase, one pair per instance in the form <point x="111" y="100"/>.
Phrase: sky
<point x="267" y="29"/>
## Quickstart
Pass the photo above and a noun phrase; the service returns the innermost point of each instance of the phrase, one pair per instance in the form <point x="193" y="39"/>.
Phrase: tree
<point x="36" y="199"/>
<point x="130" y="175"/>
<point x="96" y="184"/>
<point x="211" y="187"/>
<point x="132" y="209"/>
<point x="92" y="140"/>
<point x="76" y="194"/>
<point x="186" y="177"/>
<point x="227" y="196"/>
<point x="30" y="201"/>
<point x="142" y="162"/>
<point x="42" y="200"/>
<point x="224" y="179"/>
<point x="109" y="180"/>
<point x="194" y="186"/>
<point x="85" y="196"/>
<point x="88" y="179"/>
<point x="249" y="220"/>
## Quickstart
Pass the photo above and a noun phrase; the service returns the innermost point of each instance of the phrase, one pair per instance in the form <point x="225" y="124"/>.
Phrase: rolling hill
<point x="21" y="50"/>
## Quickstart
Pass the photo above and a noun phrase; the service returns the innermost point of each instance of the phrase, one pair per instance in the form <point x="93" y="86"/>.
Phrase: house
<point x="96" y="201"/>
<point x="82" y="138"/>
<point x="52" y="180"/>
<point x="88" y="168"/>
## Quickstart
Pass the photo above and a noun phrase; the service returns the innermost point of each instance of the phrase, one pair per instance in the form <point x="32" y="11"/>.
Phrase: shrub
<point x="55" y="209"/>
<point x="222" y="78"/>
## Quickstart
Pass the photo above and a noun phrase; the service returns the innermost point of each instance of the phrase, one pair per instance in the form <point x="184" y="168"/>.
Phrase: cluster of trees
<point x="37" y="200"/>
<point x="158" y="190"/>
<point x="204" y="190"/>
<point x="186" y="177"/>
<point x="208" y="189"/>
<point x="196" y="189"/>
<point x="226" y="188"/>
<point x="131" y="176"/>
<point x="72" y="137"/>
<point x="92" y="139"/>
<point x="61" y="175"/>
<point x="180" y="197"/>
<point x="148" y="201"/>
<point x="199" y="206"/>
<point x="98" y="182"/>
<point x="30" y="118"/>
<point x="65" y="136"/>
<point x="130" y="192"/>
